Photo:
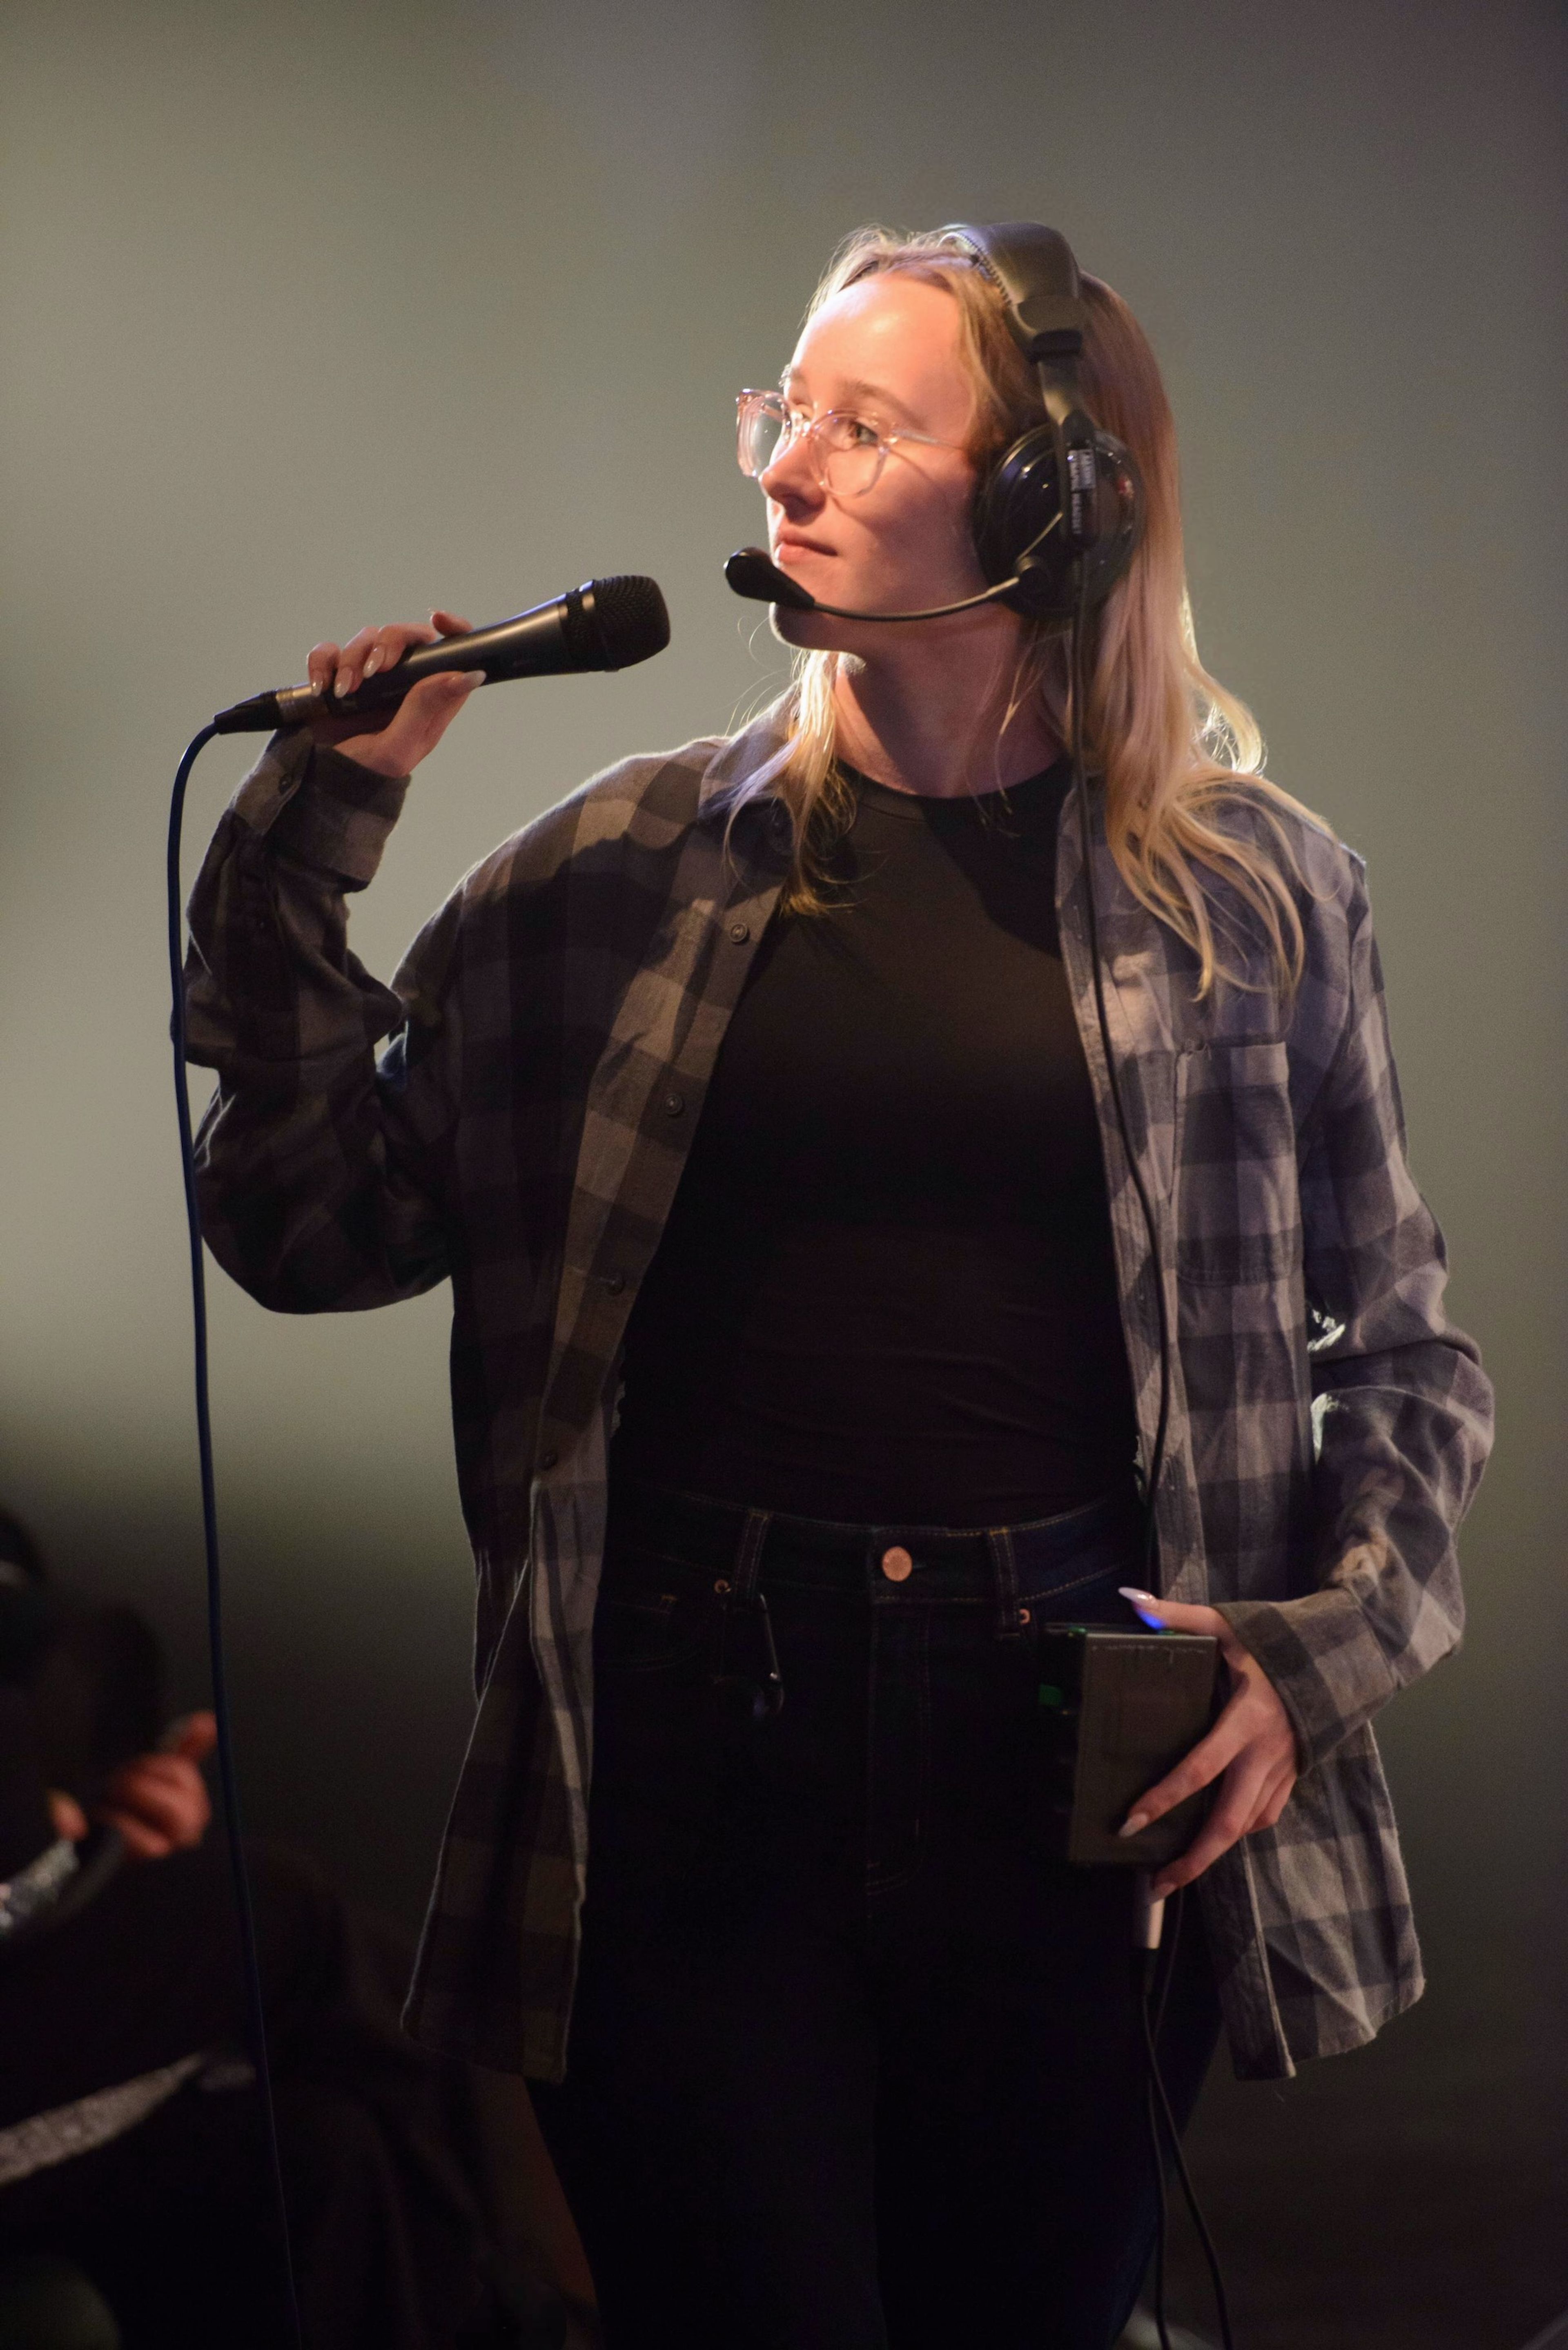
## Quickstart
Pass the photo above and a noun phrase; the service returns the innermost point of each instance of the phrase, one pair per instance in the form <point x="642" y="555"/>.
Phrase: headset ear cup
<point x="1119" y="513"/>
<point x="1017" y="514"/>
<point x="1017" y="520"/>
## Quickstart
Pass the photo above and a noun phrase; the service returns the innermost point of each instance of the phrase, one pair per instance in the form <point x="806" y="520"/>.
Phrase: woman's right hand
<point x="415" y="725"/>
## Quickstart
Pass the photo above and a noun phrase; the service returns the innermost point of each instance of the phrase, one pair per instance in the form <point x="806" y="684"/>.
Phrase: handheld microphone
<point x="604" y="624"/>
<point x="753" y="573"/>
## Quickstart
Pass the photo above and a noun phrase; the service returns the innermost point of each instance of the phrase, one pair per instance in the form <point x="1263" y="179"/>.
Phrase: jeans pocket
<point x="1083" y="1592"/>
<point x="655" y="1614"/>
<point x="657" y="1632"/>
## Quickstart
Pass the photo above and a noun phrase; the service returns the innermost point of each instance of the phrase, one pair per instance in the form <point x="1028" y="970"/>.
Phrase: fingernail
<point x="1138" y="1598"/>
<point x="340" y="683"/>
<point x="467" y="677"/>
<point x="1133" y="1825"/>
<point x="374" y="663"/>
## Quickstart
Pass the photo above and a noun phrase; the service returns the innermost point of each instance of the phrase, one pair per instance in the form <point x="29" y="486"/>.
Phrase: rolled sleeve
<point x="325" y="811"/>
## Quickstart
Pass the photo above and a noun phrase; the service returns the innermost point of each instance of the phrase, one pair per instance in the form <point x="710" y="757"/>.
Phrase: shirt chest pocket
<point x="1238" y="1208"/>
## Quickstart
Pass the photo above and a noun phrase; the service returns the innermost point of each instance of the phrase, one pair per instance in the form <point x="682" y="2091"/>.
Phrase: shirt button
<point x="740" y="932"/>
<point x="615" y="1282"/>
<point x="673" y="1105"/>
<point x="896" y="1563"/>
<point x="548" y="1459"/>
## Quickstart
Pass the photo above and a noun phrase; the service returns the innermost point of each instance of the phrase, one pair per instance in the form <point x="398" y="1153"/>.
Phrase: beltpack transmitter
<point x="1118" y="1710"/>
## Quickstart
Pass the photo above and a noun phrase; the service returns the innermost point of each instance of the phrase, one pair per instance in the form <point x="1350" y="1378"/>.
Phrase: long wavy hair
<point x="1176" y="751"/>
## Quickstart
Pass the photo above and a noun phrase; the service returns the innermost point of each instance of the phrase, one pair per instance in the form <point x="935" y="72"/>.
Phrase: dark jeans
<point x="853" y="2063"/>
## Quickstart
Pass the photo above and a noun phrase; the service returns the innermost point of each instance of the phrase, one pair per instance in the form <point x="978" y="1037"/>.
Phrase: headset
<point x="1058" y="515"/>
<point x="1067" y="494"/>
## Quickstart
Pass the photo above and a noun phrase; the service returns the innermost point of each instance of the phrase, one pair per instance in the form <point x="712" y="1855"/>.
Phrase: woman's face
<point x="887" y="350"/>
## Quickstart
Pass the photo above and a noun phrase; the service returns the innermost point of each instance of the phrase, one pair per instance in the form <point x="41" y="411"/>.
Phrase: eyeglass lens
<point x="846" y="456"/>
<point x="761" y="432"/>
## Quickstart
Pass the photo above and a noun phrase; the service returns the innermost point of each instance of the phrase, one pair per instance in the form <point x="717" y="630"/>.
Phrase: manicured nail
<point x="340" y="683"/>
<point x="1146" y="1606"/>
<point x="1133" y="1825"/>
<point x="374" y="663"/>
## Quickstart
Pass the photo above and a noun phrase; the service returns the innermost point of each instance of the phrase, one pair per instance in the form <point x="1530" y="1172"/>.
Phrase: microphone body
<point x="606" y="624"/>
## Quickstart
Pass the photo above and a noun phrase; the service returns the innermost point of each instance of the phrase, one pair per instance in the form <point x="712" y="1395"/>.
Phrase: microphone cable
<point x="228" y="1778"/>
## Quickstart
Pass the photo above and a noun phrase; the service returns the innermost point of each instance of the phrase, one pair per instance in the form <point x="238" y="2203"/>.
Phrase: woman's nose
<point x="789" y="480"/>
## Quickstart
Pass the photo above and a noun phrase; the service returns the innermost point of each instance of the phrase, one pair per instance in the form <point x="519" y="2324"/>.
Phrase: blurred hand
<point x="419" y="720"/>
<point x="160" y="1802"/>
<point x="1252" y="1750"/>
<point x="67" y="1816"/>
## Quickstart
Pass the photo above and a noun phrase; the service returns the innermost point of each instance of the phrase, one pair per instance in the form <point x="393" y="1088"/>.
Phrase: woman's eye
<point x="862" y="435"/>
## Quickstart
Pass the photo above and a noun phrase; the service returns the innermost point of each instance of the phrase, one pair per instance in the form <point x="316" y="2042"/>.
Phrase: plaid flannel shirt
<point x="552" y="1033"/>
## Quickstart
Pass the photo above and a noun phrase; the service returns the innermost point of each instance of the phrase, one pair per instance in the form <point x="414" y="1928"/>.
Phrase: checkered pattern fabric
<point x="549" y="1039"/>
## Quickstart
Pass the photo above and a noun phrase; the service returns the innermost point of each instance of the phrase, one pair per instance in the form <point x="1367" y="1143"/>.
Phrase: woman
<point x="848" y="1413"/>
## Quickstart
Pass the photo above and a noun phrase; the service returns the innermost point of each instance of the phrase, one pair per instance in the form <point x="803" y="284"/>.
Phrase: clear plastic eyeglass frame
<point x="847" y="454"/>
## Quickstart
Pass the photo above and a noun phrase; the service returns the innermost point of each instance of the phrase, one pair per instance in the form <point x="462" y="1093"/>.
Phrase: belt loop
<point x="1004" y="1575"/>
<point x="749" y="1554"/>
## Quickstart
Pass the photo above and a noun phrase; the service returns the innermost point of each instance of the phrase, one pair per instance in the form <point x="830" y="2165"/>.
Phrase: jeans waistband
<point x="1009" y="1567"/>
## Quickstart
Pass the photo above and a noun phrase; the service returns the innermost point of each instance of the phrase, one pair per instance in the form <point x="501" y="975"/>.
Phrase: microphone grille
<point x="630" y="619"/>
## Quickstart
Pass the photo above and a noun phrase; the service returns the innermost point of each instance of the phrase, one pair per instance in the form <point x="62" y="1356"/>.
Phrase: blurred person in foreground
<point x="133" y="2177"/>
<point x="805" y="1359"/>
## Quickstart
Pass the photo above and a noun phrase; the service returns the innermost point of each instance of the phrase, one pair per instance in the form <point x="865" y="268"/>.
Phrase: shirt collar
<point x="745" y="758"/>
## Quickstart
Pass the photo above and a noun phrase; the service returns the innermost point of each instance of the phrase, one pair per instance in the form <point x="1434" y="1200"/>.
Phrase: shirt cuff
<point x="320" y="808"/>
<point x="1323" y="1658"/>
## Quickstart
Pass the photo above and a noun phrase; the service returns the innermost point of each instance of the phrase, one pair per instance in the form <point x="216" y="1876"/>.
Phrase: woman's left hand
<point x="1252" y="1750"/>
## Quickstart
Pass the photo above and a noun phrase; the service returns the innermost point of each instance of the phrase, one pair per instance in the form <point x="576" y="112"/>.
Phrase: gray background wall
<point x="318" y="315"/>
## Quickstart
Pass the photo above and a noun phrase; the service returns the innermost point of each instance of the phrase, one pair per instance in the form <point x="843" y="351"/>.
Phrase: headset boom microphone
<point x="753" y="573"/>
<point x="604" y="624"/>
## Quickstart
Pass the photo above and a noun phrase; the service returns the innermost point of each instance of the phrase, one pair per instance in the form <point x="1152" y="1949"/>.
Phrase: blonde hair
<point x="1176" y="750"/>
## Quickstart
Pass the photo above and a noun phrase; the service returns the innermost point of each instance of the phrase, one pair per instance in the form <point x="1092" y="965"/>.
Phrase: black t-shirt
<point x="886" y="1291"/>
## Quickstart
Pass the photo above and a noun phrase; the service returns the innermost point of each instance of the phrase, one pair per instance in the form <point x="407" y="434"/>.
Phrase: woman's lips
<point x="785" y="548"/>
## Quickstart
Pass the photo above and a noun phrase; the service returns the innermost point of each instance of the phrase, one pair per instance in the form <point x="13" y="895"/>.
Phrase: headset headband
<point x="1037" y="277"/>
<point x="1063" y="505"/>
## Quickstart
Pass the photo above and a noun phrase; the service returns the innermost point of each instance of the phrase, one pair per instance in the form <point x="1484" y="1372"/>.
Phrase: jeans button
<point x="896" y="1563"/>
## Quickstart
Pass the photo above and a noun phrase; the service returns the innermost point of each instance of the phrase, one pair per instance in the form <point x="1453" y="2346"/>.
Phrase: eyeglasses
<point x="847" y="455"/>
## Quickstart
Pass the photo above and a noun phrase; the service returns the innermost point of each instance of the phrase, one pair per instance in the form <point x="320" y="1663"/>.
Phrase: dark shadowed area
<point x="319" y="315"/>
